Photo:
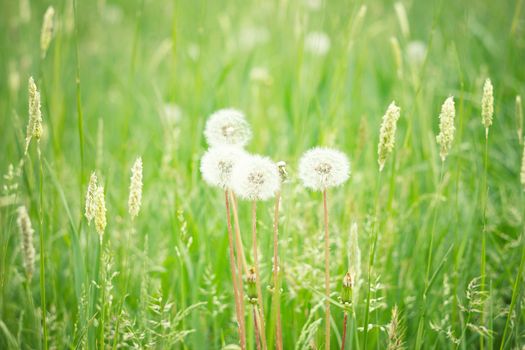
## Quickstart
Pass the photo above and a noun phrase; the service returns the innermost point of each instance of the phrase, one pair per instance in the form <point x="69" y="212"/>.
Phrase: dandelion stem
<point x="326" y="272"/>
<point x="256" y="328"/>
<point x="276" y="277"/>
<point x="242" y="266"/>
<point x="240" y="317"/>
<point x="241" y="263"/>
<point x="257" y="273"/>
<point x="343" y="340"/>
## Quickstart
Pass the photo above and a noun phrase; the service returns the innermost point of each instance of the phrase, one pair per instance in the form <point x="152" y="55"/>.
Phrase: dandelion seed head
<point x="217" y="165"/>
<point x="416" y="52"/>
<point x="90" y="198"/>
<point x="227" y="127"/>
<point x="47" y="30"/>
<point x="317" y="43"/>
<point x="26" y="231"/>
<point x="135" y="188"/>
<point x="387" y="134"/>
<point x="100" y="211"/>
<point x="256" y="178"/>
<point x="172" y="114"/>
<point x="487" y="104"/>
<point x="321" y="168"/>
<point x="446" y="127"/>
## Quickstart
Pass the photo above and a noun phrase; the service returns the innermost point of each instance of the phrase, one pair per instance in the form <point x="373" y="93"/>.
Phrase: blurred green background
<point x="306" y="73"/>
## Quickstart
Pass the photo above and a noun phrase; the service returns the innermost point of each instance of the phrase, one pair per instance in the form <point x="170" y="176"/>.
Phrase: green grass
<point x="165" y="276"/>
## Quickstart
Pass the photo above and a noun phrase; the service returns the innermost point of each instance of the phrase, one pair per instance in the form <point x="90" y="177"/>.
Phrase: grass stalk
<point x="484" y="200"/>
<point x="102" y="284"/>
<point x="371" y="263"/>
<point x="516" y="285"/>
<point x="423" y="312"/>
<point x="42" y="250"/>
<point x="80" y="117"/>
<point x="276" y="304"/>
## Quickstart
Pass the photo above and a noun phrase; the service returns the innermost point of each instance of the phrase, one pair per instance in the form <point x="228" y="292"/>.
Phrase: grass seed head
<point x="135" y="188"/>
<point x="47" y="30"/>
<point x="387" y="134"/>
<point x="321" y="168"/>
<point x="446" y="127"/>
<point x="256" y="178"/>
<point x="519" y="119"/>
<point x="522" y="173"/>
<point x="26" y="231"/>
<point x="227" y="127"/>
<point x="34" y="126"/>
<point x="90" y="198"/>
<point x="100" y="211"/>
<point x="395" y="331"/>
<point x="487" y="104"/>
<point x="217" y="165"/>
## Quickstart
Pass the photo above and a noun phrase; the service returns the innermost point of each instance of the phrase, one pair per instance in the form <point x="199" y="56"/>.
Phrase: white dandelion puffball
<point x="321" y="168"/>
<point x="217" y="165"/>
<point x="256" y="178"/>
<point x="416" y="51"/>
<point x="317" y="43"/>
<point x="227" y="127"/>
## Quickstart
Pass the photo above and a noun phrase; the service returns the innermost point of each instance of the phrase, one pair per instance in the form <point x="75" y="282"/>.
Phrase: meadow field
<point x="128" y="215"/>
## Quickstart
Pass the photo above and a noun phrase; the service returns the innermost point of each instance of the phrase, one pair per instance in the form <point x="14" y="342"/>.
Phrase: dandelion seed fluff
<point x="321" y="168"/>
<point x="217" y="165"/>
<point x="227" y="127"/>
<point x="416" y="51"/>
<point x="256" y="178"/>
<point x="317" y="43"/>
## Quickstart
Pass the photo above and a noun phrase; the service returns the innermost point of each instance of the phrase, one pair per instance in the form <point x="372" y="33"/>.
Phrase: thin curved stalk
<point x="277" y="284"/>
<point x="257" y="273"/>
<point x="343" y="340"/>
<point x="235" y="282"/>
<point x="326" y="272"/>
